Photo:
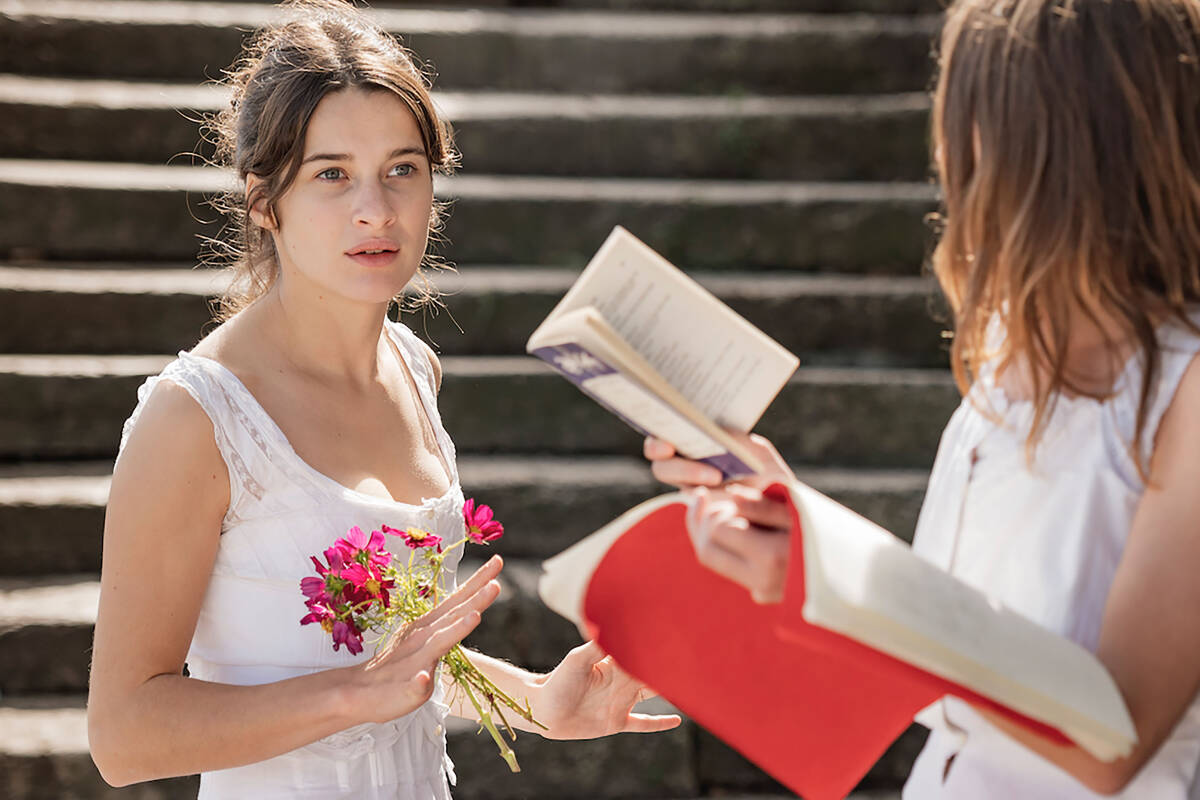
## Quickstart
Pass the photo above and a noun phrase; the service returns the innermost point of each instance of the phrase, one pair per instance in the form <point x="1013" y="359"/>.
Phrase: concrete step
<point x="727" y="6"/>
<point x="824" y="319"/>
<point x="72" y="407"/>
<point x="43" y="752"/>
<point x="88" y="210"/>
<point x="52" y="514"/>
<point x="787" y="138"/>
<point x="541" y="50"/>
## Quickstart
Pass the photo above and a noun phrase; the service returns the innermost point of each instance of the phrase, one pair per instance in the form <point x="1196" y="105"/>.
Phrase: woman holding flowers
<point x="1067" y="141"/>
<point x="307" y="415"/>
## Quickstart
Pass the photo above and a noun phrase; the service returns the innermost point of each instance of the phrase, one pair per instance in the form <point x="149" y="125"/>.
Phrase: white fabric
<point x="1045" y="542"/>
<point x="281" y="511"/>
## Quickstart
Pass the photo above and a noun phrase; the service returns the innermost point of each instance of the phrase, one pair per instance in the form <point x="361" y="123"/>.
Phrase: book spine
<point x="610" y="388"/>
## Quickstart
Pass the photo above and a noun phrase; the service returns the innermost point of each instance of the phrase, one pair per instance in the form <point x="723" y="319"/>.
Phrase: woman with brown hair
<point x="305" y="413"/>
<point x="1067" y="142"/>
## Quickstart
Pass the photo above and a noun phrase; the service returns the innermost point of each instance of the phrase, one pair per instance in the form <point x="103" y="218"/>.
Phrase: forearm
<point x="171" y="725"/>
<point x="519" y="684"/>
<point x="1103" y="777"/>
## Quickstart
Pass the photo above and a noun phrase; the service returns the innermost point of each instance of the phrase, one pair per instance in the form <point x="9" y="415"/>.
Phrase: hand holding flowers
<point x="361" y="587"/>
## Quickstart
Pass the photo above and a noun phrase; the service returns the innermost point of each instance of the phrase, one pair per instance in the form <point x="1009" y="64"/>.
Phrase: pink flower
<point x="346" y="633"/>
<point x="315" y="589"/>
<point x="366" y="585"/>
<point x="359" y="548"/>
<point x="320" y="613"/>
<point x="416" y="537"/>
<point x="481" y="527"/>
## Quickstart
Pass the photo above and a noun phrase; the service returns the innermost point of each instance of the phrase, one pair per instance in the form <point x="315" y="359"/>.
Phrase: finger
<point x="466" y="591"/>
<point x="760" y="510"/>
<point x="589" y="652"/>
<point x="441" y="640"/>
<point x="684" y="472"/>
<point x="449" y="612"/>
<point x="726" y="563"/>
<point x="651" y="723"/>
<point x="656" y="449"/>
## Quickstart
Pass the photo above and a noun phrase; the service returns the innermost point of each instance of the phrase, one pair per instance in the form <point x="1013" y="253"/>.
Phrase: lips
<point x="373" y="247"/>
<point x="374" y="252"/>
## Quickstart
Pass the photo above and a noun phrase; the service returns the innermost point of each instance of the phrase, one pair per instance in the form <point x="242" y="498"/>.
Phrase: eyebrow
<point x="399" y="151"/>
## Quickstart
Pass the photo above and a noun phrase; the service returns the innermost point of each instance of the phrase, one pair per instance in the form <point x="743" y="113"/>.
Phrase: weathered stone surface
<point x="649" y="137"/>
<point x="52" y="515"/>
<point x="723" y="768"/>
<point x="872" y="320"/>
<point x="64" y="210"/>
<point x="827" y="417"/>
<point x="540" y="50"/>
<point x="43" y="756"/>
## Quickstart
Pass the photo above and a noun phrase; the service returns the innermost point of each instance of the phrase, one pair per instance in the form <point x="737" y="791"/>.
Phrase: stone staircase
<point x="773" y="148"/>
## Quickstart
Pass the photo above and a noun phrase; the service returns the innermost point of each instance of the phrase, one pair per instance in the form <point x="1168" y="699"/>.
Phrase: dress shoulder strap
<point x="1178" y="345"/>
<point x="416" y="356"/>
<point x="240" y="442"/>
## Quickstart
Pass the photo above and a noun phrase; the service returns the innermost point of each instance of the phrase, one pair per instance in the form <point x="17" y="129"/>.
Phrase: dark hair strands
<point x="1067" y="136"/>
<point x="285" y="70"/>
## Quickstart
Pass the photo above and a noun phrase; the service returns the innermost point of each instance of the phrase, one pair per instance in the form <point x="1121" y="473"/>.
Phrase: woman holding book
<point x="305" y="413"/>
<point x="1067" y="143"/>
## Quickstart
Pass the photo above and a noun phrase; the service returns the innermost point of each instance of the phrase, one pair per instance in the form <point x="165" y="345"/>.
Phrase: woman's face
<point x="355" y="220"/>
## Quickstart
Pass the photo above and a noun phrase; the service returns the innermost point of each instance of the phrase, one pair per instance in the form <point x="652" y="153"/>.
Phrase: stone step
<point x="88" y="210"/>
<point x="44" y="756"/>
<point x="787" y="138"/>
<point x="541" y="50"/>
<point x="52" y="514"/>
<point x="824" y="319"/>
<point x="72" y="407"/>
<point x="727" y="6"/>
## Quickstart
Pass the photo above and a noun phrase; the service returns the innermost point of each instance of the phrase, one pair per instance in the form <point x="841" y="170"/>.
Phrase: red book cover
<point x="813" y="708"/>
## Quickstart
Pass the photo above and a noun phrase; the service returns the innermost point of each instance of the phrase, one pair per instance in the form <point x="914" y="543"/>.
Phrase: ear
<point x="260" y="214"/>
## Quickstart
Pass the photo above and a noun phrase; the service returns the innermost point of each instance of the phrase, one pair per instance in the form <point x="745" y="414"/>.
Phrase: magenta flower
<point x="481" y="527"/>
<point x="359" y="548"/>
<point x="346" y="633"/>
<point x="366" y="585"/>
<point x="315" y="589"/>
<point x="415" y="538"/>
<point x="321" y="613"/>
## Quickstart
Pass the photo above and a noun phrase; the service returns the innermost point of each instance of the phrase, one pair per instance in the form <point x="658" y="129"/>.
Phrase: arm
<point x="586" y="696"/>
<point x="169" y="493"/>
<point x="1150" y="636"/>
<point x="1149" y="639"/>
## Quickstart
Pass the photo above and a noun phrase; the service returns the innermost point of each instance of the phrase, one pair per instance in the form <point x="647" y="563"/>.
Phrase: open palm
<point x="588" y="695"/>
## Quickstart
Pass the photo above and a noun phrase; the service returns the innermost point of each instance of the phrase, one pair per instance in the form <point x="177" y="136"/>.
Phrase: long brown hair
<point x="1067" y="138"/>
<point x="323" y="46"/>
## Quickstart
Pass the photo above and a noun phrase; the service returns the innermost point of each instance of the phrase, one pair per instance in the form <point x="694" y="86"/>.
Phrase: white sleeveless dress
<point x="1044" y="542"/>
<point x="281" y="511"/>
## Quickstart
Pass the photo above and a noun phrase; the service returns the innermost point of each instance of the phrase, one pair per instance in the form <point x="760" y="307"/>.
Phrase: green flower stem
<point x="485" y="719"/>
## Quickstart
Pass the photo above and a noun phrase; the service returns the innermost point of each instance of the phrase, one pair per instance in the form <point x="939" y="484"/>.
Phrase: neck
<point x="322" y="335"/>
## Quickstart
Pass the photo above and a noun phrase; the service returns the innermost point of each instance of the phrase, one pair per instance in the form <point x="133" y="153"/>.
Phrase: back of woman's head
<point x="1067" y="138"/>
<point x="322" y="46"/>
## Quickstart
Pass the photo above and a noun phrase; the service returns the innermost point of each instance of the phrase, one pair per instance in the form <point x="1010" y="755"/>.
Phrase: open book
<point x="658" y="350"/>
<point x="814" y="689"/>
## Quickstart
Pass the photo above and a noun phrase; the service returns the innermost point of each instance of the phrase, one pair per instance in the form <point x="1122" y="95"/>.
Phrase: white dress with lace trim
<point x="281" y="511"/>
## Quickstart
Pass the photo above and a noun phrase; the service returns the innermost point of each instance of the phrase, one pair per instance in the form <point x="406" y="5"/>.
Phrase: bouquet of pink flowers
<point x="363" y="588"/>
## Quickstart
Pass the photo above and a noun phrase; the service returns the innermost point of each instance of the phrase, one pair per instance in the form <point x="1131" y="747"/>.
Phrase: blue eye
<point x="402" y="169"/>
<point x="331" y="174"/>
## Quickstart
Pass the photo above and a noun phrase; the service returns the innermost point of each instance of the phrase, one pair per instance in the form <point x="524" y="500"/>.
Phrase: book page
<point x="865" y="583"/>
<point x="640" y="408"/>
<point x="726" y="367"/>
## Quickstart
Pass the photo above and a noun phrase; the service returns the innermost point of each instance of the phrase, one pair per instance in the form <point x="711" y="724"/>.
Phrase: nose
<point x="372" y="208"/>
